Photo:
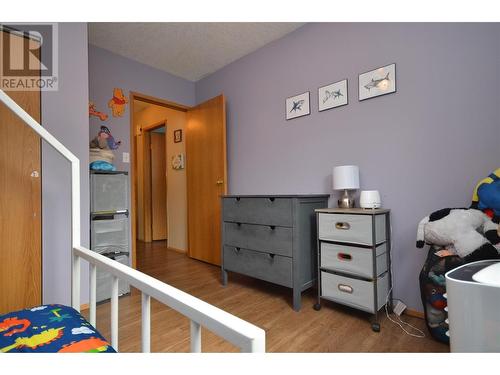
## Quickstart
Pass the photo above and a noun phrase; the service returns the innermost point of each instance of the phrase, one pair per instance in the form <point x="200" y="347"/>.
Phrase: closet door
<point x="20" y="199"/>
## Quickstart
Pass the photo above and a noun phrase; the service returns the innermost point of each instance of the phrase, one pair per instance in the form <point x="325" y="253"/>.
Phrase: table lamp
<point x="346" y="177"/>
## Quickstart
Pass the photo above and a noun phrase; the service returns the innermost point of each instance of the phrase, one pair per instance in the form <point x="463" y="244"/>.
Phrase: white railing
<point x="246" y="336"/>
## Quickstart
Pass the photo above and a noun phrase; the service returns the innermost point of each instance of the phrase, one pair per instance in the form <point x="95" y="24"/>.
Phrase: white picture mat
<point x="369" y="89"/>
<point x="302" y="106"/>
<point x="328" y="96"/>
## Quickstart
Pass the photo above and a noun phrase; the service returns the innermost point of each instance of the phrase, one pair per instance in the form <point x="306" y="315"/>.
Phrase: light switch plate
<point x="126" y="157"/>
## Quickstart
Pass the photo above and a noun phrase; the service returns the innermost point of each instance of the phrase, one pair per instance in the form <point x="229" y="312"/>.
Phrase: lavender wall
<point x="108" y="70"/>
<point x="423" y="147"/>
<point x="65" y="115"/>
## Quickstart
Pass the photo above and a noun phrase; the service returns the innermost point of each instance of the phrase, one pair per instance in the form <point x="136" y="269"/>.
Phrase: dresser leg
<point x="297" y="299"/>
<point x="224" y="276"/>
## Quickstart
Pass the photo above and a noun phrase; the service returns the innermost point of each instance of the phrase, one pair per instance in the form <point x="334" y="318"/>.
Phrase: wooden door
<point x="158" y="187"/>
<point x="20" y="204"/>
<point x="206" y="178"/>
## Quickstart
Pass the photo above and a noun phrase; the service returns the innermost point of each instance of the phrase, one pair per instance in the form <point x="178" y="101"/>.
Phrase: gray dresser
<point x="271" y="238"/>
<point x="354" y="258"/>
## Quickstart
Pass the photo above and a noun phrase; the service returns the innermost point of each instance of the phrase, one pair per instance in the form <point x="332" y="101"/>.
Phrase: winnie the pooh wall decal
<point x="118" y="102"/>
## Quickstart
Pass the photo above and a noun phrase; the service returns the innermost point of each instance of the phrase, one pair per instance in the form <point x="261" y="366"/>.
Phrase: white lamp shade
<point x="346" y="177"/>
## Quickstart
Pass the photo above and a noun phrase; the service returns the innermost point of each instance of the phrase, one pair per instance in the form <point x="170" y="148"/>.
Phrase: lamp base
<point x="346" y="201"/>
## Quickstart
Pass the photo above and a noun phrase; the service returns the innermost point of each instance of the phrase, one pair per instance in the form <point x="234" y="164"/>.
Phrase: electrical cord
<point x="400" y="322"/>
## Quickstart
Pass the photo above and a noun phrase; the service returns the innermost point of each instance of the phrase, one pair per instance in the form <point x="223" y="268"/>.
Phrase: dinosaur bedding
<point x="50" y="329"/>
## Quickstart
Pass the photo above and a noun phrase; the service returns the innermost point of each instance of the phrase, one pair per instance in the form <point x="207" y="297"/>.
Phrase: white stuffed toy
<point x="469" y="233"/>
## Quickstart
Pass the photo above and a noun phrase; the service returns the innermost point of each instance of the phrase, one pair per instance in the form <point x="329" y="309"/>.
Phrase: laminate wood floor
<point x="334" y="328"/>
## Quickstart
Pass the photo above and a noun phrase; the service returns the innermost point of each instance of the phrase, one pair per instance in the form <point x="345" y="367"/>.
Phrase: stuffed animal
<point x="469" y="233"/>
<point x="104" y="140"/>
<point x="486" y="196"/>
<point x="118" y="102"/>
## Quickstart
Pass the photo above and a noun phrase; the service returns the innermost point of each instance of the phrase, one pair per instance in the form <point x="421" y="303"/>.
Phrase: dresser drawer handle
<point x="237" y="250"/>
<point x="342" y="225"/>
<point x="271" y="256"/>
<point x="272" y="199"/>
<point x="345" y="288"/>
<point x="344" y="257"/>
<point x="238" y="224"/>
<point x="238" y="199"/>
<point x="273" y="227"/>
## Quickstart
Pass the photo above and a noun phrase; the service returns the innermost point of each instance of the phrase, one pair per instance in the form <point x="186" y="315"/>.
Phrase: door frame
<point x="133" y="95"/>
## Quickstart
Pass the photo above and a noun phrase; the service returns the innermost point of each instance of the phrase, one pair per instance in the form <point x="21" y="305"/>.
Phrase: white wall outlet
<point x="126" y="157"/>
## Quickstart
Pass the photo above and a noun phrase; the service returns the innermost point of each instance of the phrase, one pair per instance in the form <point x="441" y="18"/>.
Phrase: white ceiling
<point x="188" y="50"/>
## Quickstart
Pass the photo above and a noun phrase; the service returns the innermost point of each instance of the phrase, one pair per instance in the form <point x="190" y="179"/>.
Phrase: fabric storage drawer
<point x="109" y="192"/>
<point x="351" y="228"/>
<point x="354" y="292"/>
<point x="267" y="238"/>
<point x="276" y="269"/>
<point x="110" y="236"/>
<point x="266" y="211"/>
<point x="353" y="260"/>
<point x="103" y="281"/>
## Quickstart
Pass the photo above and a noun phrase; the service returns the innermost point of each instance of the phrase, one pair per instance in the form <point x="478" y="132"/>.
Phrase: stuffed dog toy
<point x="469" y="233"/>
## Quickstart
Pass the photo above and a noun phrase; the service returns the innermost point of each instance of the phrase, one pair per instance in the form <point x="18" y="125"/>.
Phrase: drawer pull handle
<point x="237" y="250"/>
<point x="272" y="256"/>
<point x="343" y="226"/>
<point x="272" y="199"/>
<point x="345" y="288"/>
<point x="273" y="227"/>
<point x="344" y="256"/>
<point x="238" y="199"/>
<point x="238" y="224"/>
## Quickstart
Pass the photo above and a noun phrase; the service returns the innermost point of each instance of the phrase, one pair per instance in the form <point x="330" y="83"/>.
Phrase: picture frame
<point x="297" y="106"/>
<point x="377" y="82"/>
<point x="333" y="95"/>
<point x="177" y="135"/>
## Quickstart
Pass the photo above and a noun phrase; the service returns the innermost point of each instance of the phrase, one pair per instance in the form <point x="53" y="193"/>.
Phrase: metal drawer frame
<point x="375" y="319"/>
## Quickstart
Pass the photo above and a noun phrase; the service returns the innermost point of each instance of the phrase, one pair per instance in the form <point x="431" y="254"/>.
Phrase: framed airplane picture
<point x="297" y="106"/>
<point x="377" y="82"/>
<point x="332" y="95"/>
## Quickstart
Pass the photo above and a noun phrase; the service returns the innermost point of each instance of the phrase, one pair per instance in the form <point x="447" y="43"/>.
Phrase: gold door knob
<point x="219" y="182"/>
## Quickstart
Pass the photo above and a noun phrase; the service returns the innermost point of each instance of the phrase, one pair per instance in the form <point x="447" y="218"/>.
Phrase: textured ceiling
<point x="188" y="50"/>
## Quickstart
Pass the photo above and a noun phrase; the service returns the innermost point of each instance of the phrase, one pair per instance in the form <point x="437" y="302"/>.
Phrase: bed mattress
<point x="50" y="329"/>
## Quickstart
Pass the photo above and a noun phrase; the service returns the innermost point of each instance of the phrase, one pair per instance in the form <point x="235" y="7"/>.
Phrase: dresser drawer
<point x="264" y="238"/>
<point x="353" y="292"/>
<point x="354" y="260"/>
<point x="267" y="211"/>
<point x="355" y="229"/>
<point x="275" y="269"/>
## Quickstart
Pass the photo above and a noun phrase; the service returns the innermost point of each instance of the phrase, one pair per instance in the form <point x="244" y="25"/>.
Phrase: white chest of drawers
<point x="354" y="258"/>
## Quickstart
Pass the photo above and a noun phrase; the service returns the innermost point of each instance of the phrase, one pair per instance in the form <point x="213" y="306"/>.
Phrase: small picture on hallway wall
<point x="377" y="82"/>
<point x="332" y="95"/>
<point x="297" y="106"/>
<point x="177" y="135"/>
